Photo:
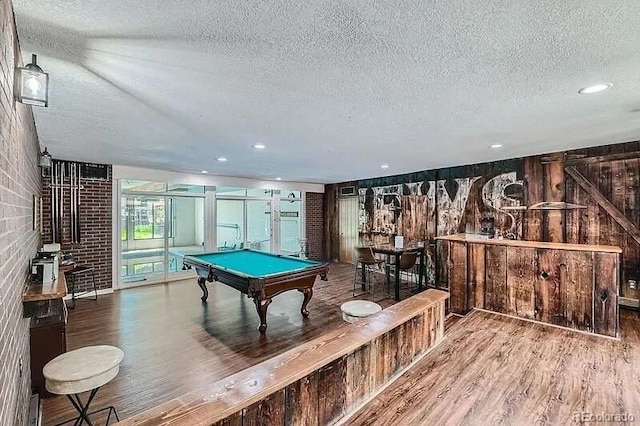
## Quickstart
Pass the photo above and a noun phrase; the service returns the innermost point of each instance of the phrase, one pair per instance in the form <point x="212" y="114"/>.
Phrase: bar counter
<point x="568" y="285"/>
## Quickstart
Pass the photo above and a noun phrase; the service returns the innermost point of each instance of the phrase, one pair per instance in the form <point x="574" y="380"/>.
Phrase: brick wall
<point x="314" y="224"/>
<point x="19" y="182"/>
<point x="95" y="228"/>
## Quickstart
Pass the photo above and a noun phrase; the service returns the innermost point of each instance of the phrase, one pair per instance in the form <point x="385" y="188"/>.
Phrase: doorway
<point x="157" y="231"/>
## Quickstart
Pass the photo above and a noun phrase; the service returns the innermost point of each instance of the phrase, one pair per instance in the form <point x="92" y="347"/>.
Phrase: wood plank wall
<point x="318" y="382"/>
<point x="337" y="389"/>
<point x="568" y="288"/>
<point x="432" y="203"/>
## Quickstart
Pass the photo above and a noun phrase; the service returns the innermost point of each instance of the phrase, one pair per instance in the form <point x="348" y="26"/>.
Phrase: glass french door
<point x="291" y="242"/>
<point x="156" y="232"/>
<point x="230" y="224"/>
<point x="259" y="225"/>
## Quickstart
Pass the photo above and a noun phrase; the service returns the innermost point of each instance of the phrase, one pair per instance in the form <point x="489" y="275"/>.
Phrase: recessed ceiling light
<point x="204" y="171"/>
<point x="221" y="159"/>
<point x="278" y="178"/>
<point x="595" y="88"/>
<point x="384" y="166"/>
<point x="259" y="146"/>
<point x="496" y="145"/>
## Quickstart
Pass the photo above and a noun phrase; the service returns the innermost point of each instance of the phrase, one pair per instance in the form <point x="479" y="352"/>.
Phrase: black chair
<point x="369" y="272"/>
<point x="73" y="274"/>
<point x="407" y="267"/>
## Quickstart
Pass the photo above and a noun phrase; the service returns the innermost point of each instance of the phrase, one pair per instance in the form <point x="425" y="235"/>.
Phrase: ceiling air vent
<point x="347" y="191"/>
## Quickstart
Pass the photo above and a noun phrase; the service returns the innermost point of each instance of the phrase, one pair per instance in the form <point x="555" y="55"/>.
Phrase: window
<point x="149" y="219"/>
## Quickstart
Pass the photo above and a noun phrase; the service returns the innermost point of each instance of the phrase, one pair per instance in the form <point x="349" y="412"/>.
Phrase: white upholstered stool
<point x="82" y="370"/>
<point x="356" y="309"/>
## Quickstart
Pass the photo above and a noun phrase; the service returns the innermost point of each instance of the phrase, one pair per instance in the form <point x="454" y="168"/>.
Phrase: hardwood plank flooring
<point x="173" y="342"/>
<point x="498" y="370"/>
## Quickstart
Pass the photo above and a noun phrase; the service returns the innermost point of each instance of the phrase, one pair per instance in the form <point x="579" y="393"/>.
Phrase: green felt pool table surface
<point x="253" y="263"/>
<point x="259" y="275"/>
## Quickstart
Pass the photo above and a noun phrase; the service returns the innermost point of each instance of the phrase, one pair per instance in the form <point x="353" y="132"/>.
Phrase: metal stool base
<point x="83" y="410"/>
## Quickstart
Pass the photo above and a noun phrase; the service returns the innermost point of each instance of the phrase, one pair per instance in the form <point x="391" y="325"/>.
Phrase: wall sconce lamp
<point x="45" y="159"/>
<point x="32" y="84"/>
<point x="45" y="163"/>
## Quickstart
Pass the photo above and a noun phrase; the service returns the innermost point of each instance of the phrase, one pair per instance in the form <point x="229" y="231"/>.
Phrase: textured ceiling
<point x="333" y="88"/>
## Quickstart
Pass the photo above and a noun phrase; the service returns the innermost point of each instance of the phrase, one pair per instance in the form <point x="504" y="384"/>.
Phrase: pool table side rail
<point x="227" y="253"/>
<point x="420" y="319"/>
<point x="195" y="262"/>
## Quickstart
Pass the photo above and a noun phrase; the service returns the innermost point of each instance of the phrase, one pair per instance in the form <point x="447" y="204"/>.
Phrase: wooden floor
<point x="173" y="342"/>
<point x="490" y="369"/>
<point x="493" y="369"/>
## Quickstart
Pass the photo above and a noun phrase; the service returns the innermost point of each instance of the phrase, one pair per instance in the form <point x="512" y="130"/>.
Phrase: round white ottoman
<point x="356" y="309"/>
<point x="82" y="370"/>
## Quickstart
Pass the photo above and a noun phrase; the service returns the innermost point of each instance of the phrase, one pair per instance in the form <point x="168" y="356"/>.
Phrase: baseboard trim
<point x="89" y="294"/>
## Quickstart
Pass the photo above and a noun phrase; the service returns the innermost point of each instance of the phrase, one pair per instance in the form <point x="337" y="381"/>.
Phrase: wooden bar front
<point x="318" y="382"/>
<point x="569" y="285"/>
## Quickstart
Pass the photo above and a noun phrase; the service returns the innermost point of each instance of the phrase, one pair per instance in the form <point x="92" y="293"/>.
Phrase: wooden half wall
<point x="584" y="196"/>
<point x="568" y="285"/>
<point x="319" y="382"/>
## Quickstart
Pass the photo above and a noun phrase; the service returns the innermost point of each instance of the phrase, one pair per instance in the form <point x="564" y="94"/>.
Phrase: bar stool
<point x="75" y="272"/>
<point x="407" y="267"/>
<point x="371" y="267"/>
<point x="82" y="370"/>
<point x="357" y="309"/>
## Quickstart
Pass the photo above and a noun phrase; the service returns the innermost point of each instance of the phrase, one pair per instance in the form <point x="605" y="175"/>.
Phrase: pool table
<point x="259" y="275"/>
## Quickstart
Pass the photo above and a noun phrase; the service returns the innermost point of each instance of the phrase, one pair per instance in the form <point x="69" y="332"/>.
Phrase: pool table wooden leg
<point x="202" y="282"/>
<point x="308" y="292"/>
<point x="261" y="307"/>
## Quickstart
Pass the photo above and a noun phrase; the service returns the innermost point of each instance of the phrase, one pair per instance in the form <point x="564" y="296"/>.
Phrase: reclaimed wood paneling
<point x="572" y="216"/>
<point x="549" y="287"/>
<point x="521" y="277"/>
<point x="496" y="278"/>
<point x="577" y="276"/>
<point x="533" y="177"/>
<point x="456" y="198"/>
<point x="631" y="257"/>
<point x="357" y="380"/>
<point x="269" y="411"/>
<point x="610" y="212"/>
<point x="554" y="191"/>
<point x="320" y="381"/>
<point x="552" y="283"/>
<point x="475" y="272"/>
<point x="442" y="267"/>
<point x="606" y="294"/>
<point x="332" y="396"/>
<point x="458" y="277"/>
<point x="233" y="420"/>
<point x="331" y="228"/>
<point x="603" y="186"/>
<point x="418" y="342"/>
<point x="301" y="401"/>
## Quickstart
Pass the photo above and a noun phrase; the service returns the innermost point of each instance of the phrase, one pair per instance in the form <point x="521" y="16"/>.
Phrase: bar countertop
<point x="53" y="290"/>
<point x="475" y="238"/>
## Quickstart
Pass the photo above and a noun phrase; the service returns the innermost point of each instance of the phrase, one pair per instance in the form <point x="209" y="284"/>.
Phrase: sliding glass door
<point x="259" y="225"/>
<point x="157" y="230"/>
<point x="143" y="237"/>
<point x="187" y="231"/>
<point x="230" y="224"/>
